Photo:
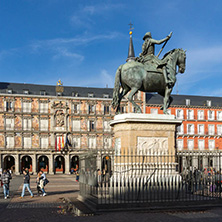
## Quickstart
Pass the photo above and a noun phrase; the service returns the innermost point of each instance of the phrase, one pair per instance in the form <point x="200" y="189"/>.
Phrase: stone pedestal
<point x="144" y="141"/>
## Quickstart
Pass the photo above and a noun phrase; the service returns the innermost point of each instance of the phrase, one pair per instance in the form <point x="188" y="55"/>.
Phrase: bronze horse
<point x="134" y="76"/>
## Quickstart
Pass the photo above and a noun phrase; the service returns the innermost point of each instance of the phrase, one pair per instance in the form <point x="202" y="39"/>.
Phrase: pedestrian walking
<point x="39" y="190"/>
<point x="43" y="181"/>
<point x="5" y="179"/>
<point x="26" y="184"/>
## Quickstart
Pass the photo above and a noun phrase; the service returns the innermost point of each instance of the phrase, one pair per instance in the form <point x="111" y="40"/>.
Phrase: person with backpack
<point x="26" y="184"/>
<point x="5" y="179"/>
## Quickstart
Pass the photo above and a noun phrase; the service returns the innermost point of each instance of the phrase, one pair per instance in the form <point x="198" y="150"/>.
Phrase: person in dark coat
<point x="26" y="184"/>
<point x="5" y="179"/>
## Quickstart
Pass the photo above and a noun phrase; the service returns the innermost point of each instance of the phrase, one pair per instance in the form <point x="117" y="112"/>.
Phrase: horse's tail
<point x="116" y="89"/>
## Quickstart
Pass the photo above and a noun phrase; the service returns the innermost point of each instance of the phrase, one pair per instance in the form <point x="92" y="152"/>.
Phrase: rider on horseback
<point x="151" y="61"/>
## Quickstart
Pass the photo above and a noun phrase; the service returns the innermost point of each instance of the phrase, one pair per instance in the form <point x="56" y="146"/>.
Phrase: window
<point x="8" y="106"/>
<point x="9" y="91"/>
<point x="90" y="95"/>
<point x="201" y="144"/>
<point x="190" y="128"/>
<point x="43" y="107"/>
<point x="219" y="115"/>
<point x="180" y="129"/>
<point x="59" y="93"/>
<point x="106" y="126"/>
<point x="91" y="109"/>
<point x="219" y="129"/>
<point x="106" y="109"/>
<point x="25" y="91"/>
<point x="190" y="144"/>
<point x="10" y="142"/>
<point x="76" y="108"/>
<point x="211" y="129"/>
<point x="26" y="107"/>
<point x="27" y="124"/>
<point x="200" y="114"/>
<point x="208" y="102"/>
<point x="91" y="125"/>
<point x="92" y="142"/>
<point x="76" y="142"/>
<point x="105" y="95"/>
<point x="179" y="114"/>
<point x="107" y="142"/>
<point x="211" y="144"/>
<point x="190" y="114"/>
<point x="75" y="94"/>
<point x="27" y="142"/>
<point x="200" y="128"/>
<point x="154" y="111"/>
<point x="42" y="93"/>
<point x="44" y="124"/>
<point x="44" y="142"/>
<point x="76" y="125"/>
<point x="187" y="102"/>
<point x="122" y="109"/>
<point x="210" y="115"/>
<point x="180" y="144"/>
<point x="9" y="122"/>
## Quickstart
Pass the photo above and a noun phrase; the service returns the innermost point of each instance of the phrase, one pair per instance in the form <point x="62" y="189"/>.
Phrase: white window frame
<point x="211" y="129"/>
<point x="190" y="114"/>
<point x="211" y="115"/>
<point x="211" y="144"/>
<point x="44" y="124"/>
<point x="190" y="144"/>
<point x="76" y="125"/>
<point x="219" y="129"/>
<point x="179" y="114"/>
<point x="190" y="129"/>
<point x="201" y="144"/>
<point x="198" y="129"/>
<point x="180" y="144"/>
<point x="219" y="115"/>
<point x="181" y="129"/>
<point x="27" y="142"/>
<point x="200" y="114"/>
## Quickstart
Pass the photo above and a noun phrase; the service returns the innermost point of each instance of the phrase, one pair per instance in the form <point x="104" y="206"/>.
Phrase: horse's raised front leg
<point x="166" y="100"/>
<point x="130" y="98"/>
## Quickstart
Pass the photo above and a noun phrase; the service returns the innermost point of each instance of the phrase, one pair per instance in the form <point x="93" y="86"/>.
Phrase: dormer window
<point x="25" y="91"/>
<point x="75" y="94"/>
<point x="90" y="95"/>
<point x="105" y="96"/>
<point x="208" y="102"/>
<point x="42" y="93"/>
<point x="187" y="102"/>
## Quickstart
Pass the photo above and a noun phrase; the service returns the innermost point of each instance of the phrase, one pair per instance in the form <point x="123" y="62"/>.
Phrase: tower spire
<point x="131" y="54"/>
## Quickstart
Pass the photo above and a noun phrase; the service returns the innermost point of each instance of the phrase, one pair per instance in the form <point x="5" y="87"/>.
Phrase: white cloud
<point x="84" y="16"/>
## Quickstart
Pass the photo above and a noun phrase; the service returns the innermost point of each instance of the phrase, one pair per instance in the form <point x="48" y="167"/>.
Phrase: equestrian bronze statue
<point x="148" y="73"/>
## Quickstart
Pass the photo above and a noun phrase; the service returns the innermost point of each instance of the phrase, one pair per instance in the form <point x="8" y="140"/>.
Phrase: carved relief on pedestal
<point x="147" y="145"/>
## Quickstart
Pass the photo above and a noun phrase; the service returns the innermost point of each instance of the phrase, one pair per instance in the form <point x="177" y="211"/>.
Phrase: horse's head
<point x="181" y="60"/>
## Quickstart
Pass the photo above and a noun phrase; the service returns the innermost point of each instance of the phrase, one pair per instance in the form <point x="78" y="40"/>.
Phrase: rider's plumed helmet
<point x="148" y="34"/>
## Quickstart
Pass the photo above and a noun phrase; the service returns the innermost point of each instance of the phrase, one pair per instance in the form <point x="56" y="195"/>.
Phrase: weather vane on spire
<point x="131" y="28"/>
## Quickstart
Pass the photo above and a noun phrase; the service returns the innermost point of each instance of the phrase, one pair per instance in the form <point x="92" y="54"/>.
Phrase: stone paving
<point x="64" y="186"/>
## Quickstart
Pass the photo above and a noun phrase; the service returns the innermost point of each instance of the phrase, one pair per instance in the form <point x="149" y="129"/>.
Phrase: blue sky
<point x="83" y="42"/>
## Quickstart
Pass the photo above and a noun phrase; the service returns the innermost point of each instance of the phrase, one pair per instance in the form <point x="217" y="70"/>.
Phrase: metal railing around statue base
<point x="130" y="178"/>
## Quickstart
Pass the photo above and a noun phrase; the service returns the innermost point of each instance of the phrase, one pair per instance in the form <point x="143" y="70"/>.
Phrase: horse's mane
<point x="168" y="53"/>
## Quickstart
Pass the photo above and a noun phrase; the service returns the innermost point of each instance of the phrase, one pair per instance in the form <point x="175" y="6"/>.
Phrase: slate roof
<point x="18" y="88"/>
<point x="180" y="100"/>
<point x="151" y="99"/>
